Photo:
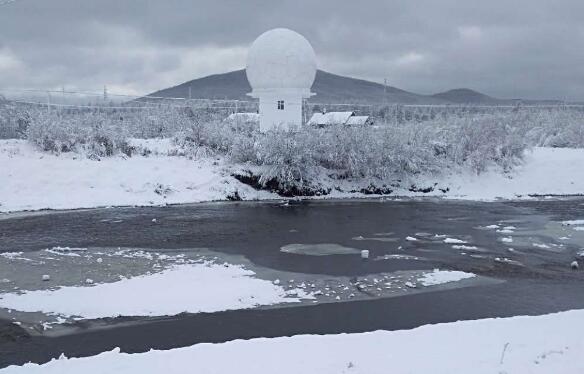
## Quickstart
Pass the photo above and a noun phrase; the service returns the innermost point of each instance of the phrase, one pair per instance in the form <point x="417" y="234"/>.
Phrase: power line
<point x="111" y="107"/>
<point x="79" y="106"/>
<point x="109" y="94"/>
<point x="184" y="102"/>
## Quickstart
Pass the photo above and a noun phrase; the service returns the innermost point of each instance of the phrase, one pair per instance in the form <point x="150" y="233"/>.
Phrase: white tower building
<point x="281" y="66"/>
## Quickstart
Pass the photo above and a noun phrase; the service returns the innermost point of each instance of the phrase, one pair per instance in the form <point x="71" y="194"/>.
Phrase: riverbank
<point x="34" y="180"/>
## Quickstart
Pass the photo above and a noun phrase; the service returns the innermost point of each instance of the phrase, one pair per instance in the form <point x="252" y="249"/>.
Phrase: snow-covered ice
<point x="465" y="247"/>
<point x="526" y="344"/>
<point x="65" y="251"/>
<point x="443" y="276"/>
<point x="193" y="288"/>
<point x="454" y="241"/>
<point x="11" y="255"/>
<point x="574" y="222"/>
<point x="319" y="249"/>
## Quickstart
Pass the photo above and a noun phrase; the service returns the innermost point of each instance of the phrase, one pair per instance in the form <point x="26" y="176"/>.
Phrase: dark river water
<point x="534" y="268"/>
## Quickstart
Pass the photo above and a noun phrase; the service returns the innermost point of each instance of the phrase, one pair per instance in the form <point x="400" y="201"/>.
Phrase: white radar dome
<point x="281" y="58"/>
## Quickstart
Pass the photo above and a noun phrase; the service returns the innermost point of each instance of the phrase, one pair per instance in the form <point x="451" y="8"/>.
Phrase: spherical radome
<point x="281" y="58"/>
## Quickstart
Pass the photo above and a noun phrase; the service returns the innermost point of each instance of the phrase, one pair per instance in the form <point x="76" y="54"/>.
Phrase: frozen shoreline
<point x="33" y="180"/>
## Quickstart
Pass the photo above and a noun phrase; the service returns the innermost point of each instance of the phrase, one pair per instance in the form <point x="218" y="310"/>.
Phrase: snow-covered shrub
<point x="285" y="156"/>
<point x="103" y="132"/>
<point x="412" y="149"/>
<point x="299" y="158"/>
<point x="559" y="128"/>
<point x="14" y="119"/>
<point x="482" y="141"/>
<point x="399" y="151"/>
<point x="53" y="134"/>
<point x="540" y="126"/>
<point x="243" y="148"/>
<point x="92" y="133"/>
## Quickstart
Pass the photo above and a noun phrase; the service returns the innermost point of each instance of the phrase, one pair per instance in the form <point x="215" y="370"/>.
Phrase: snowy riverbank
<point x="544" y="344"/>
<point x="33" y="180"/>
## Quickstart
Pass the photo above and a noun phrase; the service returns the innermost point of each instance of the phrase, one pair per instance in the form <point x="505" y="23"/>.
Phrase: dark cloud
<point x="521" y="48"/>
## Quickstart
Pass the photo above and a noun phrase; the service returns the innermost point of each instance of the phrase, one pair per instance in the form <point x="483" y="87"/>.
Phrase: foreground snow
<point x="183" y="288"/>
<point x="33" y="180"/>
<point x="544" y="344"/>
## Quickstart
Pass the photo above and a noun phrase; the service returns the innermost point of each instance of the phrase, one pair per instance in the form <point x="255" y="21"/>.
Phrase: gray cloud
<point x="521" y="48"/>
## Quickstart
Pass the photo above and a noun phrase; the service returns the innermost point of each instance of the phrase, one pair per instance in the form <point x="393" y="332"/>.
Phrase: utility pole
<point x="104" y="93"/>
<point x="48" y="102"/>
<point x="190" y="94"/>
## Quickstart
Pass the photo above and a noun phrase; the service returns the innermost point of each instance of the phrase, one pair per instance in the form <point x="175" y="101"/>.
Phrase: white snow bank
<point x="32" y="180"/>
<point x="538" y="345"/>
<point x="574" y="222"/>
<point x="185" y="288"/>
<point x="546" y="171"/>
<point x="443" y="276"/>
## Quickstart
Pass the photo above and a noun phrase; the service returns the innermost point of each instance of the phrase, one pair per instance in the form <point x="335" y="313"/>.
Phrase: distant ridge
<point x="331" y="88"/>
<point x="468" y="96"/>
<point x="228" y="86"/>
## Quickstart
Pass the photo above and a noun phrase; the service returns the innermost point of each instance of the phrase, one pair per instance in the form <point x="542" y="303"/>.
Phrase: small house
<point x="339" y="118"/>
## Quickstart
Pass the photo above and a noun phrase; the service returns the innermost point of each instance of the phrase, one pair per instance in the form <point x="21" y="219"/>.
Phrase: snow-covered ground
<point x="32" y="180"/>
<point x="546" y="171"/>
<point x="543" y="344"/>
<point x="193" y="288"/>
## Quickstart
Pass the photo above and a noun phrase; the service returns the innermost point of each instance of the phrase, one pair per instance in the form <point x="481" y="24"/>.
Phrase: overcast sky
<point x="505" y="48"/>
